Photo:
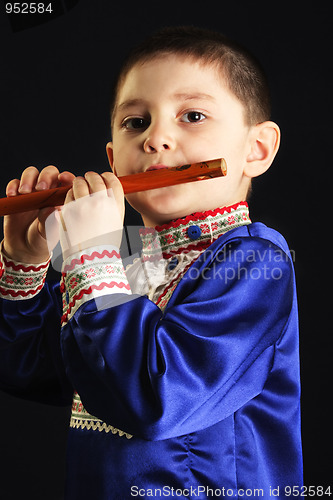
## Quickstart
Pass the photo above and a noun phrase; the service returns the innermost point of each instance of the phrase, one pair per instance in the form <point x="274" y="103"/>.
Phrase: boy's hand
<point x="93" y="213"/>
<point x="24" y="233"/>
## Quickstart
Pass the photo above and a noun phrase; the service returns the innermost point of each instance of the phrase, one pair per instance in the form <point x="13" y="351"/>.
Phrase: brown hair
<point x="240" y="70"/>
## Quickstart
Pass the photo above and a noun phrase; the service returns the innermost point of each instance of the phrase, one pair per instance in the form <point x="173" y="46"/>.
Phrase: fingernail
<point x="23" y="188"/>
<point x="41" y="185"/>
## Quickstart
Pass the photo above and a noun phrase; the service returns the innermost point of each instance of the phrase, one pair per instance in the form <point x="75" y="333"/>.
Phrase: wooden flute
<point x="134" y="183"/>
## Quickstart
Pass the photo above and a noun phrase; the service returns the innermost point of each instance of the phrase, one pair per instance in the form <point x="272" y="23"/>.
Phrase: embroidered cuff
<point x="96" y="272"/>
<point x="20" y="281"/>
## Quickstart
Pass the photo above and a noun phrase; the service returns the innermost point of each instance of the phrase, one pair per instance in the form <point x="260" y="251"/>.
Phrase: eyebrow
<point x="179" y="96"/>
<point x="129" y="103"/>
<point x="188" y="96"/>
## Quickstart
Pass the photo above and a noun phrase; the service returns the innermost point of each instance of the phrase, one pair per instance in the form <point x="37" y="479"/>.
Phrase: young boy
<point x="193" y="389"/>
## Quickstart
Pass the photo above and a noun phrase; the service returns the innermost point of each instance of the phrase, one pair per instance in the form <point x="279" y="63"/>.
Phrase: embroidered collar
<point x="194" y="232"/>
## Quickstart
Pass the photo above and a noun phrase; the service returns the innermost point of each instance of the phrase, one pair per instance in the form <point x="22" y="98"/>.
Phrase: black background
<point x="55" y="75"/>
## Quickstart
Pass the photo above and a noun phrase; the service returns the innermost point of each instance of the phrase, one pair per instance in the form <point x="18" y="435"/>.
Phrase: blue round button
<point x="173" y="263"/>
<point x="194" y="232"/>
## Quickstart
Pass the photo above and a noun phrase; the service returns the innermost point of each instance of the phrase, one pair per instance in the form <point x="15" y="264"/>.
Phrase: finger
<point x="48" y="178"/>
<point x="42" y="216"/>
<point x="69" y="196"/>
<point x="112" y="182"/>
<point x="12" y="187"/>
<point x="95" y="181"/>
<point x="80" y="188"/>
<point x="114" y="185"/>
<point x="66" y="178"/>
<point x="28" y="180"/>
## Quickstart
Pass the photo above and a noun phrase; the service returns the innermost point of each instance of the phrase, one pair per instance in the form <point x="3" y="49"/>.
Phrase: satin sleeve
<point x="159" y="375"/>
<point x="31" y="365"/>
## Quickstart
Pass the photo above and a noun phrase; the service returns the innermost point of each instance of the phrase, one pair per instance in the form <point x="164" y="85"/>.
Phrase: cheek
<point x="123" y="160"/>
<point x="215" y="143"/>
<point x="234" y="153"/>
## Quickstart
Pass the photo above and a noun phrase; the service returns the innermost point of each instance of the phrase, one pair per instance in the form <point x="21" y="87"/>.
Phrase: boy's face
<point x="173" y="111"/>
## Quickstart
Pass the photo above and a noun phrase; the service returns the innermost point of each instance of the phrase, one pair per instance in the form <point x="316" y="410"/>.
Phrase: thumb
<point x="48" y="227"/>
<point x="42" y="216"/>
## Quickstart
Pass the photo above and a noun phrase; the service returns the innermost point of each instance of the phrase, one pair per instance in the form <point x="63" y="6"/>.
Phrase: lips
<point x="156" y="167"/>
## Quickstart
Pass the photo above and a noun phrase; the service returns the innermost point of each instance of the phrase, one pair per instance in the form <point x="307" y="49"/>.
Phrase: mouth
<point x="156" y="167"/>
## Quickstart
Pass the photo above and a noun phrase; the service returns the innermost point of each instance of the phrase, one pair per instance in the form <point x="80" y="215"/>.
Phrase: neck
<point x="152" y="223"/>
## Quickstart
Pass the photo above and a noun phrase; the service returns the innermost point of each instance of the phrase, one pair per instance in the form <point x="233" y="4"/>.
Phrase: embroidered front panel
<point x="20" y="281"/>
<point x="175" y="267"/>
<point x="167" y="254"/>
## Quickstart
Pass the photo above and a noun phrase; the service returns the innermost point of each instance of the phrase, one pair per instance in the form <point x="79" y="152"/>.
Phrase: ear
<point x="264" y="144"/>
<point x="109" y="152"/>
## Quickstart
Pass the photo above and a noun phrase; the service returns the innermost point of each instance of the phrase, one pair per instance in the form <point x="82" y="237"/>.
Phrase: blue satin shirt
<point x="199" y="400"/>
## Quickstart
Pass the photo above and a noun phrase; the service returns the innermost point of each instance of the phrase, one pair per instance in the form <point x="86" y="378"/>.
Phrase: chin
<point x="162" y="205"/>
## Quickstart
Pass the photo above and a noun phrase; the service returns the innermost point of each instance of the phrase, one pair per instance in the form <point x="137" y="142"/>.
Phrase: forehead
<point x="170" y="74"/>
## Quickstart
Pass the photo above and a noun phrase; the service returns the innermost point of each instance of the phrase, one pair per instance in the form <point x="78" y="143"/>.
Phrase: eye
<point x="135" y="123"/>
<point x="193" y="117"/>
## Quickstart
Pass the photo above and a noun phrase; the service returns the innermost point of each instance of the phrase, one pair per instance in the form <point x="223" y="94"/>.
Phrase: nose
<point x="150" y="148"/>
<point x="158" y="140"/>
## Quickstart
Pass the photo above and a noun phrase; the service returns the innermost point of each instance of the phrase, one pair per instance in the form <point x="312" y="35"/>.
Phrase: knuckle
<point x="94" y="178"/>
<point x="111" y="179"/>
<point x="108" y="175"/>
<point x="12" y="186"/>
<point x="91" y="173"/>
<point x="13" y="182"/>
<point x="30" y="170"/>
<point x="50" y="169"/>
<point x="79" y="180"/>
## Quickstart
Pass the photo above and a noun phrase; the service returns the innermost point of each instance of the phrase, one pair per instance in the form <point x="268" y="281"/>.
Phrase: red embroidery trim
<point x="183" y="271"/>
<point x="84" y="257"/>
<point x="87" y="291"/>
<point x="3" y="291"/>
<point x="199" y="216"/>
<point x="21" y="267"/>
<point x="201" y="245"/>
